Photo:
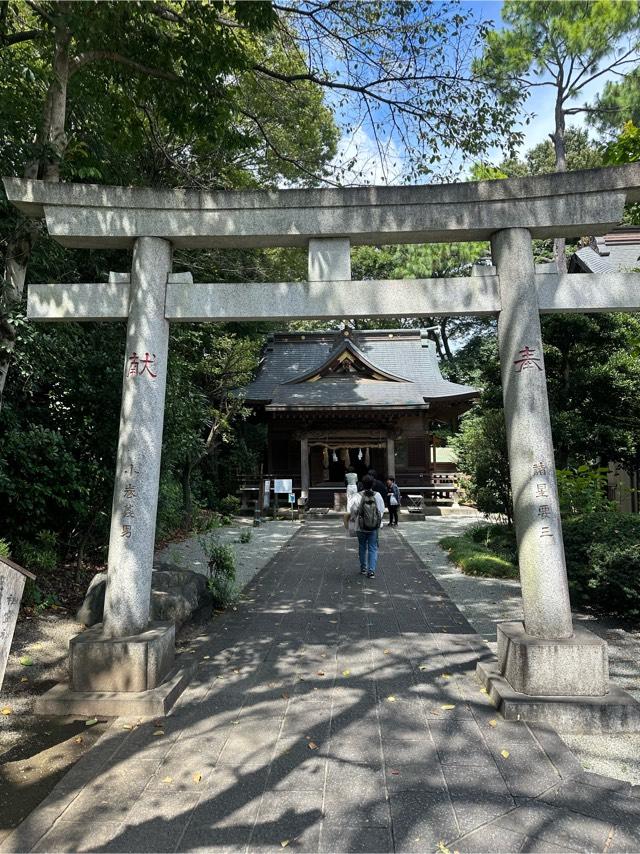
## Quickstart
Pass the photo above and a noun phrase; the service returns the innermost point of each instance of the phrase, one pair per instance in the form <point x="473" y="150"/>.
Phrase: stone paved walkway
<point x="333" y="713"/>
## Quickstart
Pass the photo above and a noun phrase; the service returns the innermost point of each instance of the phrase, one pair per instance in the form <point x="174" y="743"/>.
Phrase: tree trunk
<point x="445" y="339"/>
<point x="435" y="338"/>
<point x="15" y="270"/>
<point x="52" y="141"/>
<point x="557" y="137"/>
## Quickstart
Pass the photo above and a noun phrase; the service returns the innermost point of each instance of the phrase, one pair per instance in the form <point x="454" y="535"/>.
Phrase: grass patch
<point x="484" y="550"/>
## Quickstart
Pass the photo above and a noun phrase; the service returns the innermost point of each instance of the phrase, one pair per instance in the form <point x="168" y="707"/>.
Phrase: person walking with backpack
<point x="367" y="509"/>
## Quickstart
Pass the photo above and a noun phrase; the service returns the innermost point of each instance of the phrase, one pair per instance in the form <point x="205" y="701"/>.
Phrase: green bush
<point x="602" y="551"/>
<point x="245" y="537"/>
<point x="170" y="511"/>
<point x="583" y="490"/>
<point x="615" y="578"/>
<point x="221" y="560"/>
<point x="602" y="560"/>
<point x="476" y="558"/>
<point x="497" y="538"/>
<point x="481" y="446"/>
<point x="5" y="548"/>
<point x="229" y="505"/>
<point x="41" y="555"/>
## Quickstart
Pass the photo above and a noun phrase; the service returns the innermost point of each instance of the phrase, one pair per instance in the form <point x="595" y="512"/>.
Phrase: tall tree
<point x="563" y="46"/>
<point x="199" y="80"/>
<point x="618" y="103"/>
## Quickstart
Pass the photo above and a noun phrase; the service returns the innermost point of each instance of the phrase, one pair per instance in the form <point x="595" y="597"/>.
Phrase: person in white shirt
<point x="367" y="509"/>
<point x="351" y="479"/>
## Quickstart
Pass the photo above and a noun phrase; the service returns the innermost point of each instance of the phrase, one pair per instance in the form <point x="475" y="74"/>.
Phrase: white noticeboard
<point x="12" y="578"/>
<point x="283" y="486"/>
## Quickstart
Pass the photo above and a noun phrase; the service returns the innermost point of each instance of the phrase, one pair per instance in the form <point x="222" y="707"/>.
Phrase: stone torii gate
<point x="547" y="668"/>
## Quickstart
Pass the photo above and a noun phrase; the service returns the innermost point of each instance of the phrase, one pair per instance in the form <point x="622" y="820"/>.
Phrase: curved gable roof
<point x="372" y="370"/>
<point x="406" y="359"/>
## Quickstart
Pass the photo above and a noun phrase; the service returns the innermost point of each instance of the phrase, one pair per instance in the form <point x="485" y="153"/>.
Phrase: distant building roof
<point x="618" y="250"/>
<point x="351" y="369"/>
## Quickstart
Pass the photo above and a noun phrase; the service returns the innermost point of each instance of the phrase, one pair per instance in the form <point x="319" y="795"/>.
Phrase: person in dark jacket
<point x="393" y="500"/>
<point x="378" y="485"/>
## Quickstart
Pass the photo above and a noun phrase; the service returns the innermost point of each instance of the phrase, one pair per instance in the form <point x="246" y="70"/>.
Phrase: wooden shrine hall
<point x="366" y="399"/>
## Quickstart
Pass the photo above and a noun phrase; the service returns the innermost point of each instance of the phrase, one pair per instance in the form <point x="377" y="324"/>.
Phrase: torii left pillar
<point x="126" y="653"/>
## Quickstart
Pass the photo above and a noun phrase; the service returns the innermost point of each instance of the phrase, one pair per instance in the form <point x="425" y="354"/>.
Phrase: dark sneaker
<point x="371" y="574"/>
<point x="363" y="570"/>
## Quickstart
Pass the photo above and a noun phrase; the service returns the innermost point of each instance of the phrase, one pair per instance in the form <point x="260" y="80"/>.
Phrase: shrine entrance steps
<point x="334" y="713"/>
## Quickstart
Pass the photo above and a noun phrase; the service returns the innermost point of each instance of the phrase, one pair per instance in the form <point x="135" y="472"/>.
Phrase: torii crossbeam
<point x="545" y="658"/>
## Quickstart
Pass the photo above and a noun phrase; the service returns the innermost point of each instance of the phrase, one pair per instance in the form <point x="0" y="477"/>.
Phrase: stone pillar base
<point x="564" y="667"/>
<point x="122" y="664"/>
<point x="614" y="712"/>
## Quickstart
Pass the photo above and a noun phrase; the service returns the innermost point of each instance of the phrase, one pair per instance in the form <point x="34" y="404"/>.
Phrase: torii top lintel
<point x="553" y="205"/>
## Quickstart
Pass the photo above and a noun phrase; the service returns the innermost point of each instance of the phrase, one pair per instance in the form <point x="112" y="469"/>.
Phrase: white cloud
<point x="360" y="160"/>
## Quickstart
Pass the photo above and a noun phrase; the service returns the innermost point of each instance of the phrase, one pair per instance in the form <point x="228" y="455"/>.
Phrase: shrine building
<point x="368" y="399"/>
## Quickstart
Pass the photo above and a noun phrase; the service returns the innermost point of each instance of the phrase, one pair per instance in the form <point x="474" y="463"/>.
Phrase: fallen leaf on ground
<point x="26" y="661"/>
<point x="127" y="726"/>
<point x="423" y="667"/>
<point x="91" y="722"/>
<point x="386" y="652"/>
<point x="391" y="698"/>
<point x="505" y="753"/>
<point x="6" y="710"/>
<point x="79" y="739"/>
<point x="320" y="673"/>
<point x="24" y="679"/>
<point x="442" y="848"/>
<point x="312" y="745"/>
<point x="448" y="706"/>
<point x="346" y="672"/>
<point x="167" y="779"/>
<point x="197" y="777"/>
<point x="493" y="722"/>
<point x="159" y="732"/>
<point x="284" y="843"/>
<point x="284" y="695"/>
<point x="446" y="676"/>
<point x="483" y="691"/>
<point x="206" y="657"/>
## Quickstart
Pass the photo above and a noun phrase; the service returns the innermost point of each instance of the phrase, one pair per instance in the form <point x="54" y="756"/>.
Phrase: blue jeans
<point x="368" y="540"/>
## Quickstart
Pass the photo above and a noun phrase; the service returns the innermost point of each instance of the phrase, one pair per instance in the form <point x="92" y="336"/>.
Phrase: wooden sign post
<point x="12" y="578"/>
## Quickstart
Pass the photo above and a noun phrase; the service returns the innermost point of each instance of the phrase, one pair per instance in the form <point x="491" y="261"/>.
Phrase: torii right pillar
<point x="547" y="657"/>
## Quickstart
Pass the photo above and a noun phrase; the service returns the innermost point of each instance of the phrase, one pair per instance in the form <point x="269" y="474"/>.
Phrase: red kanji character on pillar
<point x="527" y="360"/>
<point x="134" y="364"/>
<point x="147" y="363"/>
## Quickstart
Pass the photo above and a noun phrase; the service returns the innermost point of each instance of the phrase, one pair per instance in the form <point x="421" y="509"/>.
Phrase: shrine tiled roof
<point x="398" y="368"/>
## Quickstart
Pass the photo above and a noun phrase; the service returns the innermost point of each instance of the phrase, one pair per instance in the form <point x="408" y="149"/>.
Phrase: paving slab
<point x="331" y="712"/>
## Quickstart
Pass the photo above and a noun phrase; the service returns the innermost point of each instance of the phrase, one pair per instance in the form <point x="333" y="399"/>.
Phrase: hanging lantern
<point x="334" y="457"/>
<point x="359" y="453"/>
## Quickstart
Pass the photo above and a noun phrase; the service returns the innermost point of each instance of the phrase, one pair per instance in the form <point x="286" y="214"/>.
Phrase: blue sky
<point x="540" y="104"/>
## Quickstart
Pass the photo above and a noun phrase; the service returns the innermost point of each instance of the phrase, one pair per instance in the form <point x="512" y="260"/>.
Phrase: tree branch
<point x="41" y="12"/>
<point x="622" y="60"/>
<point x="16" y="38"/>
<point x="113" y="56"/>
